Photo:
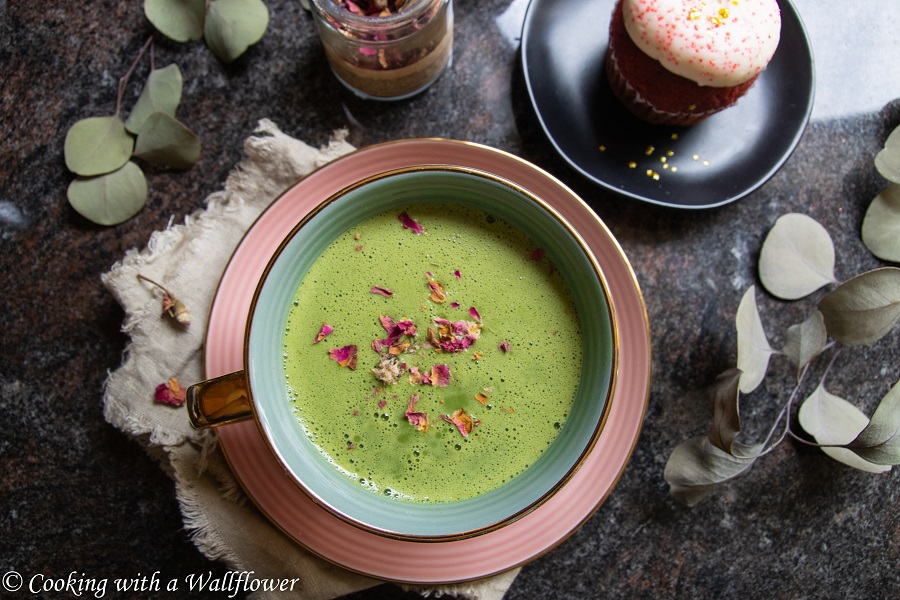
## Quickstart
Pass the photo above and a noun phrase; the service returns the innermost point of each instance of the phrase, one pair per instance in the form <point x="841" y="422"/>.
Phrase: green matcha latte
<point x="432" y="353"/>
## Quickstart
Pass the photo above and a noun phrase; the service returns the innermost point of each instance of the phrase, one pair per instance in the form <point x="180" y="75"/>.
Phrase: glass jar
<point x="387" y="57"/>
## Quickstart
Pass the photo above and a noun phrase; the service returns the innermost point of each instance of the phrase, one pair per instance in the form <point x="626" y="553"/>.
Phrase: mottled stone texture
<point x="76" y="495"/>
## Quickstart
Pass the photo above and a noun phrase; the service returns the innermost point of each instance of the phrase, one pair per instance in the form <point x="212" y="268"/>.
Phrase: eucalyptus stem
<point x="160" y="286"/>
<point x="123" y="81"/>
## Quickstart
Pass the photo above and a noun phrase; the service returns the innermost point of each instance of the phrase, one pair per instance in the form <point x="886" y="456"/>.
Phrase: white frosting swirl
<point x="719" y="43"/>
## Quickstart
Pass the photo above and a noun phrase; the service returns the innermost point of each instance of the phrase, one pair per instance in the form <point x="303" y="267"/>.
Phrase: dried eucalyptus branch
<point x="797" y="258"/>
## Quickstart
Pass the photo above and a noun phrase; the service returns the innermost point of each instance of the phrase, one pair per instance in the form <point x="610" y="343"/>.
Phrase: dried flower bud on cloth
<point x="190" y="257"/>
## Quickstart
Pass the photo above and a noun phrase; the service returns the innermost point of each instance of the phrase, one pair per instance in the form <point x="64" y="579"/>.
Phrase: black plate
<point x="718" y="161"/>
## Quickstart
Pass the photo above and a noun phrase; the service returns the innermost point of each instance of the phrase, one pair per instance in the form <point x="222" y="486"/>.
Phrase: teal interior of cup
<point x="302" y="458"/>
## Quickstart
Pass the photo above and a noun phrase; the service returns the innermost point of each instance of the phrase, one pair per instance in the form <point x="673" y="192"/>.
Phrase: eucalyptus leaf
<point x="111" y="198"/>
<point x="887" y="161"/>
<point x="161" y="94"/>
<point x="804" y="341"/>
<point x="97" y="145"/>
<point x="879" y="442"/>
<point x="753" y="349"/>
<point x="163" y="140"/>
<point x="797" y="257"/>
<point x="232" y="26"/>
<point x="696" y="467"/>
<point x="881" y="225"/>
<point x="726" y="414"/>
<point x="864" y="309"/>
<point x="832" y="420"/>
<point x="178" y="20"/>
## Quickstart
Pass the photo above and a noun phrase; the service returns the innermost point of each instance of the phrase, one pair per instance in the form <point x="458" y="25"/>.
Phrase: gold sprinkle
<point x="656" y="177"/>
<point x="670" y="153"/>
<point x="705" y="163"/>
<point x="653" y="174"/>
<point x="674" y="169"/>
<point x="692" y="107"/>
<point x="696" y="157"/>
<point x="602" y="148"/>
<point x="649" y="150"/>
<point x="723" y="12"/>
<point x="662" y="159"/>
<point x="666" y="166"/>
<point x="632" y="165"/>
<point x="674" y="136"/>
<point x="694" y="14"/>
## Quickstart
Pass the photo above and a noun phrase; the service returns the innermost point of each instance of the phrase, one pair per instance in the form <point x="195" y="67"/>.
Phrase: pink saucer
<point x="297" y="515"/>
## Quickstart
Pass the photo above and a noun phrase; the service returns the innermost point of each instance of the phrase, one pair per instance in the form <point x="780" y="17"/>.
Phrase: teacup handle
<point x="219" y="401"/>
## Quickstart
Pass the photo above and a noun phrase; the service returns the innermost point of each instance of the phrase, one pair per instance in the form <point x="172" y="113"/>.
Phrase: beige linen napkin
<point x="188" y="259"/>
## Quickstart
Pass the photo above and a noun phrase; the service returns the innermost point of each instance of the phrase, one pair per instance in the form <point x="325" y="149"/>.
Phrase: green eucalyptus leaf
<point x="887" y="161"/>
<point x="232" y="26"/>
<point x="161" y="94"/>
<point x="832" y="420"/>
<point x="879" y="442"/>
<point x="881" y="225"/>
<point x="163" y="140"/>
<point x="804" y="341"/>
<point x="696" y="467"/>
<point x="753" y="349"/>
<point x="797" y="257"/>
<point x="726" y="414"/>
<point x="862" y="310"/>
<point x="97" y="145"/>
<point x="178" y="20"/>
<point x="111" y="198"/>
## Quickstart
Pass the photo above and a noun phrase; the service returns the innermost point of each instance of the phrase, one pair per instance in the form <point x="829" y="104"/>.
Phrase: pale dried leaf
<point x="161" y="93"/>
<point x="832" y="420"/>
<point x="804" y="341"/>
<point x="753" y="349"/>
<point x="797" y="257"/>
<point x="163" y="140"/>
<point x="726" y="414"/>
<point x="178" y="20"/>
<point x="232" y="26"/>
<point x="111" y="198"/>
<point x="887" y="161"/>
<point x="696" y="467"/>
<point x="864" y="309"/>
<point x="97" y="145"/>
<point x="880" y="441"/>
<point x="881" y="225"/>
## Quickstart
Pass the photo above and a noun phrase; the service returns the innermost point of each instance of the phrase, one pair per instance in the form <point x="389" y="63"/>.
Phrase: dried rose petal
<point x="381" y="291"/>
<point x="462" y="420"/>
<point x="458" y="274"/>
<point x="504" y="346"/>
<point x="483" y="398"/>
<point x="474" y="313"/>
<point x="410" y="223"/>
<point x="437" y="291"/>
<point x="440" y="375"/>
<point x="346" y="356"/>
<point x="170" y="392"/>
<point x="416" y="418"/>
<point x="537" y="255"/>
<point x="324" y="332"/>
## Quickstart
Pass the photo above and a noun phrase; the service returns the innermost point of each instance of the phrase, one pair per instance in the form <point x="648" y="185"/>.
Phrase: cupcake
<point x="676" y="62"/>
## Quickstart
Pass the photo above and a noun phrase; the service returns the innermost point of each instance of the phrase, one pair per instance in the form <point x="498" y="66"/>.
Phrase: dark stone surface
<point x="77" y="495"/>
